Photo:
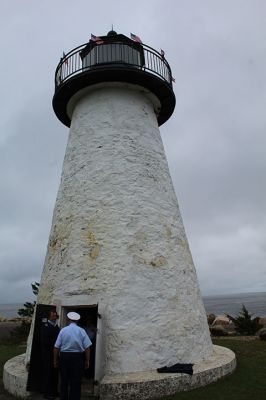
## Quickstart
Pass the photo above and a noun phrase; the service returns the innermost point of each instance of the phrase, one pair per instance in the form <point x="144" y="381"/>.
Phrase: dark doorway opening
<point x="34" y="382"/>
<point x="88" y="321"/>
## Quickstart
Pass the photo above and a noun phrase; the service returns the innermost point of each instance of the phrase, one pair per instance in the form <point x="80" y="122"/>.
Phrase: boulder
<point x="221" y="320"/>
<point x="211" y="318"/>
<point x="262" y="333"/>
<point x="262" y="321"/>
<point x="218" y="330"/>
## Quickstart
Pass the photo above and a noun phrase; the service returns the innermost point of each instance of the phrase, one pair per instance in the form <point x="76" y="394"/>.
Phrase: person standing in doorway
<point x="71" y="344"/>
<point x="91" y="331"/>
<point x="49" y="333"/>
<point x="90" y="328"/>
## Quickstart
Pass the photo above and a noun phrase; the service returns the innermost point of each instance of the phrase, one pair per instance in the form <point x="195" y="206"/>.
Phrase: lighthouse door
<point x="34" y="382"/>
<point x="99" y="356"/>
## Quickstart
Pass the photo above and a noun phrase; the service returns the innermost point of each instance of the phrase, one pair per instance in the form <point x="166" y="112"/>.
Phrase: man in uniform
<point x="69" y="348"/>
<point x="49" y="333"/>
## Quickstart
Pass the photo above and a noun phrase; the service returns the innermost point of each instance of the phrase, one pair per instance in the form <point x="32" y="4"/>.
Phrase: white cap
<point x="73" y="316"/>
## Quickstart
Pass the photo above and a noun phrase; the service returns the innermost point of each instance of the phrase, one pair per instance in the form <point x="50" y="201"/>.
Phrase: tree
<point x="244" y="323"/>
<point x="28" y="309"/>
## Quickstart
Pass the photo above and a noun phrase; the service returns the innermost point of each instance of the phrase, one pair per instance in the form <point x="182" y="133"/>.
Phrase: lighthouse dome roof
<point x="112" y="33"/>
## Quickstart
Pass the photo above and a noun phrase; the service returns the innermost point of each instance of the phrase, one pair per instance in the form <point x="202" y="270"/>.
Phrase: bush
<point x="28" y="309"/>
<point x="20" y="333"/>
<point x="244" y="324"/>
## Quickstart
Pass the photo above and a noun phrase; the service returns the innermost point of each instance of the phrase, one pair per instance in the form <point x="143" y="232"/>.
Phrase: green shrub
<point x="28" y="309"/>
<point x="244" y="323"/>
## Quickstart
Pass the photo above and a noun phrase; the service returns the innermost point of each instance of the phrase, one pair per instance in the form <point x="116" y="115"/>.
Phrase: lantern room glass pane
<point x="112" y="53"/>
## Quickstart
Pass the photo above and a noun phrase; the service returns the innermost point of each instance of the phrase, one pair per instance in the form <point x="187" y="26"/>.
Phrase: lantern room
<point x="113" y="58"/>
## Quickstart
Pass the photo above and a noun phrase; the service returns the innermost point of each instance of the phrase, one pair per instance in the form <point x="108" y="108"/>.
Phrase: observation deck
<point x="113" y="58"/>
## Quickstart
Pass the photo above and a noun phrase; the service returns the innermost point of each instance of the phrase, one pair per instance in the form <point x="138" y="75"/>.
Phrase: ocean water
<point x="231" y="304"/>
<point x="10" y="310"/>
<point x="228" y="304"/>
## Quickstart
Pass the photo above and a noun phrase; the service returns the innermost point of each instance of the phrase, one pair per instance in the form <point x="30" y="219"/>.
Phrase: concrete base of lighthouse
<point x="141" y="385"/>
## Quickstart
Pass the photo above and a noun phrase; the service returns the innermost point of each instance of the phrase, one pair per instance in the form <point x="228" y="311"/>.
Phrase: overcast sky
<point x="215" y="142"/>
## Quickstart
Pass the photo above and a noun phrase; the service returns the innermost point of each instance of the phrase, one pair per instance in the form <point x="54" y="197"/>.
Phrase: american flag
<point x="135" y="38"/>
<point x="96" y="39"/>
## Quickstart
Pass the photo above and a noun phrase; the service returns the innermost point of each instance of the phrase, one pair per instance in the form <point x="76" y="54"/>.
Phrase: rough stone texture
<point x="117" y="240"/>
<point x="151" y="385"/>
<point x="142" y="385"/>
<point x="15" y="376"/>
<point x="117" y="237"/>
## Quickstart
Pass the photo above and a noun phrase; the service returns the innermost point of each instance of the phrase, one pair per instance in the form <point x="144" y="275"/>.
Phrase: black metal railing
<point x="111" y="54"/>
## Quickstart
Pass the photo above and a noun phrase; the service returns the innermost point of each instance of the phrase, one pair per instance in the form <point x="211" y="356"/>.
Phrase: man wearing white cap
<point x="72" y="342"/>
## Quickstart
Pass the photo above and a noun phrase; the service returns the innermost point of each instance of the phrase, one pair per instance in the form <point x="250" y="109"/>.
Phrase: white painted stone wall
<point x="117" y="237"/>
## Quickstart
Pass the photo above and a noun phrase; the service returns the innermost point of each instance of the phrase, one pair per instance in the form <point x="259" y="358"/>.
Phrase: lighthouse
<point x="117" y="251"/>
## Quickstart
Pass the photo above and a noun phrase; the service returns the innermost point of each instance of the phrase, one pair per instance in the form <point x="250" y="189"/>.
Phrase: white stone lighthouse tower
<point x="117" y="250"/>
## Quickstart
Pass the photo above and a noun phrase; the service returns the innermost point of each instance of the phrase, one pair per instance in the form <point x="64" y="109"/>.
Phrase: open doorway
<point x="34" y="381"/>
<point x="88" y="321"/>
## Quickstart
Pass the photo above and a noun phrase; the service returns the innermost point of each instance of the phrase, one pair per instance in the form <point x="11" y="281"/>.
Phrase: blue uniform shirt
<point x="73" y="339"/>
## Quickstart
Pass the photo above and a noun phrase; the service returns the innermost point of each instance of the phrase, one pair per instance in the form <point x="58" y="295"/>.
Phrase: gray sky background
<point x="215" y="142"/>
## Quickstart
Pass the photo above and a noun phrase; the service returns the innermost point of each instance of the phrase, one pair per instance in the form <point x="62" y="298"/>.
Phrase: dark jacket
<point x="49" y="335"/>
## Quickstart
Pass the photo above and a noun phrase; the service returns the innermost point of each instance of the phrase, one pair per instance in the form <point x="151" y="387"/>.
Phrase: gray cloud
<point x="215" y="141"/>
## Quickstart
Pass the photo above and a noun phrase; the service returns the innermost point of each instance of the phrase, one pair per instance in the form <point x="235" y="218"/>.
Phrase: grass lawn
<point x="248" y="382"/>
<point x="7" y="351"/>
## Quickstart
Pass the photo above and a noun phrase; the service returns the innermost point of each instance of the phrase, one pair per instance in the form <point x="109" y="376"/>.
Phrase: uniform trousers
<point x="49" y="375"/>
<point x="71" y="368"/>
